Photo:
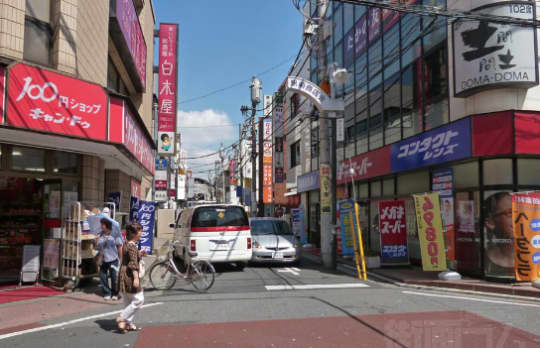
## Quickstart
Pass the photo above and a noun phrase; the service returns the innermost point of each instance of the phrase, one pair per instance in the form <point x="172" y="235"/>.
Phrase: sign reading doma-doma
<point x="491" y="55"/>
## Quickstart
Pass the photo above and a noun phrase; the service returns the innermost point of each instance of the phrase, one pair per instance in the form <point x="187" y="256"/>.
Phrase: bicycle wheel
<point x="202" y="275"/>
<point x="161" y="276"/>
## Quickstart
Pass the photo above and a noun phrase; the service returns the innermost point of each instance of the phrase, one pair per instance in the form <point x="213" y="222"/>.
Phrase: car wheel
<point x="241" y="265"/>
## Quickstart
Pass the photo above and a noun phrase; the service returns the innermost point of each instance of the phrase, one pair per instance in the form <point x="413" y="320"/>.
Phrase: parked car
<point x="274" y="241"/>
<point x="218" y="233"/>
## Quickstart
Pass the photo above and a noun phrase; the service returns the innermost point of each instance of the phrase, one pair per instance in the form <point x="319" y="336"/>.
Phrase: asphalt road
<point x="307" y="306"/>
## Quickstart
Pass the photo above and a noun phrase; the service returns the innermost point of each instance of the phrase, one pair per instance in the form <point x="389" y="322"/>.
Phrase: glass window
<point x="498" y="172"/>
<point x="262" y="227"/>
<point x="295" y="154"/>
<point x="219" y="216"/>
<point x="315" y="142"/>
<point x="37" y="42"/>
<point x="66" y="163"/>
<point x="348" y="17"/>
<point x="391" y="51"/>
<point x="359" y="12"/>
<point x="467" y="231"/>
<point x="338" y="23"/>
<point x="388" y="187"/>
<point x="410" y="32"/>
<point x="436" y="88"/>
<point x="417" y="182"/>
<point x="39" y="9"/>
<point x="361" y="74"/>
<point x="436" y="30"/>
<point x="375" y="64"/>
<point x="24" y="158"/>
<point x="392" y="107"/>
<point x="412" y="101"/>
<point x="375" y="119"/>
<point x="528" y="170"/>
<point x="466" y="175"/>
<point x="375" y="189"/>
<point x="363" y="190"/>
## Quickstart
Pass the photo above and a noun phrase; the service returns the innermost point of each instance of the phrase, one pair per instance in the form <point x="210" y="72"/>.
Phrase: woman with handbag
<point x="130" y="278"/>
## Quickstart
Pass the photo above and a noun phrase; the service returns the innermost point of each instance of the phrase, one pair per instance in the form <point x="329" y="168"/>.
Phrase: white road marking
<point x="74" y="321"/>
<point x="290" y="270"/>
<point x="472" y="299"/>
<point x="315" y="286"/>
<point x="295" y="269"/>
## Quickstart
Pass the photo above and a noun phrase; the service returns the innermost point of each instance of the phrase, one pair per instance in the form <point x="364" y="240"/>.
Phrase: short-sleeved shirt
<point x="108" y="245"/>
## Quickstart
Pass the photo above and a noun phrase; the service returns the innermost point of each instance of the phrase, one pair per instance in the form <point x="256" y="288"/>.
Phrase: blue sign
<point x="144" y="213"/>
<point x="444" y="144"/>
<point x="348" y="48"/>
<point x="161" y="164"/>
<point x="239" y="191"/>
<point x="535" y="225"/>
<point x="308" y="182"/>
<point x="347" y="224"/>
<point x="443" y="182"/>
<point x="298" y="226"/>
<point x="115" y="198"/>
<point x="536" y="258"/>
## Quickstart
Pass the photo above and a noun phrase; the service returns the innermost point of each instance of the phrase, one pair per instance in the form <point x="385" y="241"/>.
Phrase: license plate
<point x="278" y="255"/>
<point x="222" y="246"/>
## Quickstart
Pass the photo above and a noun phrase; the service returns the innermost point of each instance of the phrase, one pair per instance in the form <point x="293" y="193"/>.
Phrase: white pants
<point x="132" y="303"/>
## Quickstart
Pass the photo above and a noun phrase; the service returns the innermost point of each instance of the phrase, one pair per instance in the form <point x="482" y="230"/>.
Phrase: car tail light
<point x="193" y="245"/>
<point x="249" y="243"/>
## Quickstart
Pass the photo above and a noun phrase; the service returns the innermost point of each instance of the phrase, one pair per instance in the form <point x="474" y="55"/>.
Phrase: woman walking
<point x="130" y="284"/>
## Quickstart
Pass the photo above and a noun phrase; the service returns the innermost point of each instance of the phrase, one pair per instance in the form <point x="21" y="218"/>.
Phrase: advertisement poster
<point x="347" y="224"/>
<point x="465" y="210"/>
<point x="393" y="231"/>
<point x="526" y="223"/>
<point x="325" y="182"/>
<point x="165" y="143"/>
<point x="498" y="234"/>
<point x="298" y="225"/>
<point x="428" y="217"/>
<point x="443" y="184"/>
<point x="51" y="252"/>
<point x="144" y="212"/>
<point x="115" y="198"/>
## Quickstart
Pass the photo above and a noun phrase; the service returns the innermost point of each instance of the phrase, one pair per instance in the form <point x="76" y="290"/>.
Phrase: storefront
<point x="478" y="161"/>
<point x="63" y="141"/>
<point x="308" y="186"/>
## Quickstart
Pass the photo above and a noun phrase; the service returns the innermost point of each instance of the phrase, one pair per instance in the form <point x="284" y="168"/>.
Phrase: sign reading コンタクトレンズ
<point x="47" y="101"/>
<point x="489" y="54"/>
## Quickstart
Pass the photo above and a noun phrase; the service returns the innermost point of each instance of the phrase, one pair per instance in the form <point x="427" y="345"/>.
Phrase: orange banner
<point x="526" y="219"/>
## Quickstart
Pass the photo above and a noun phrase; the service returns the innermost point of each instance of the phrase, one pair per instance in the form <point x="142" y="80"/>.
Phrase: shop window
<point x="374" y="239"/>
<point x="413" y="183"/>
<point x="466" y="175"/>
<point x="363" y="191"/>
<point x="467" y="230"/>
<point x="498" y="172"/>
<point x="392" y="110"/>
<point x="388" y="187"/>
<point x="412" y="101"/>
<point x="29" y="159"/>
<point x="375" y="187"/>
<point x="295" y="154"/>
<point x="66" y="163"/>
<point x="295" y="105"/>
<point x="528" y="170"/>
<point x="436" y="88"/>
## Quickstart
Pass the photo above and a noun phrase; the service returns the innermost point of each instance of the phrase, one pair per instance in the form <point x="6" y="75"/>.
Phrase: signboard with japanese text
<point x="181" y="190"/>
<point x="347" y="224"/>
<point x="168" y="85"/>
<point x="325" y="178"/>
<point x="393" y="229"/>
<point x="308" y="182"/>
<point x="160" y="184"/>
<point x="444" y="144"/>
<point x="160" y="175"/>
<point x="144" y="213"/>
<point x="526" y="221"/>
<point x="367" y="165"/>
<point x="47" y="101"/>
<point x="360" y="36"/>
<point x="133" y="36"/>
<point x="267" y="183"/>
<point x="430" y="232"/>
<point x="298" y="225"/>
<point x="443" y="183"/>
<point x="135" y="188"/>
<point x="489" y="55"/>
<point x="162" y="164"/>
<point x="161" y="196"/>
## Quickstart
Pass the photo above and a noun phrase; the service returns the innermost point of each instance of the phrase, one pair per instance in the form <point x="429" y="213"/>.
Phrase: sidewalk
<point x="413" y="275"/>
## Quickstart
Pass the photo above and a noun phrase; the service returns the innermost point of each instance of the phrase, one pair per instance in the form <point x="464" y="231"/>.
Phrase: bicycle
<point x="200" y="273"/>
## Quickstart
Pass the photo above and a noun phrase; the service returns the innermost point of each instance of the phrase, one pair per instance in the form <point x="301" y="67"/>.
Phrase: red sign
<point x="527" y="128"/>
<point x="132" y="32"/>
<point x="172" y="193"/>
<point x="492" y="134"/>
<point x="168" y="67"/>
<point x="47" y="101"/>
<point x="365" y="166"/>
<point x="161" y="184"/>
<point x="268" y="195"/>
<point x="135" y="188"/>
<point x="393" y="228"/>
<point x="267" y="183"/>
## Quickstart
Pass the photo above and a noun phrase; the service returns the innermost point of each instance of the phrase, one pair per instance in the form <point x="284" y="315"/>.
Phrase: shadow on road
<point x="108" y="325"/>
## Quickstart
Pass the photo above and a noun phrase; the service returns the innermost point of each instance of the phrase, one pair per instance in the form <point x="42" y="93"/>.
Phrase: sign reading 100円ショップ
<point x="489" y="54"/>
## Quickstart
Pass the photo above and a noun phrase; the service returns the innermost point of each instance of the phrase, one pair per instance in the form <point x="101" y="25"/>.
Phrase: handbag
<point x="142" y="269"/>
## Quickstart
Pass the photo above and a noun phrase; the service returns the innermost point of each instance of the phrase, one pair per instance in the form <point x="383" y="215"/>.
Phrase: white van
<point x="216" y="232"/>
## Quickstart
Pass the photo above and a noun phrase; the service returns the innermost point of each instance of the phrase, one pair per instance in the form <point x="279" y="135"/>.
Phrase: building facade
<point x="76" y="120"/>
<point x="430" y="102"/>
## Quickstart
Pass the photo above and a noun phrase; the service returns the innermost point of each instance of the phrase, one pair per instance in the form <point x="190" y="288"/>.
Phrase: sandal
<point x="121" y="324"/>
<point x="132" y="327"/>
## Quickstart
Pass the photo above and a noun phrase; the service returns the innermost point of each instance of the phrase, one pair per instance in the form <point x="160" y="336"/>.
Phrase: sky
<point x="222" y="43"/>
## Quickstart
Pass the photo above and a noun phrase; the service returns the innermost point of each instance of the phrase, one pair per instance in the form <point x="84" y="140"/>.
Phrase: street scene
<point x="269" y="173"/>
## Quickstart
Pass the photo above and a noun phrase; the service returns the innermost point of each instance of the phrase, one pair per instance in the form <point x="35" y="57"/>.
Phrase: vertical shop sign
<point x="267" y="156"/>
<point x="393" y="229"/>
<point x="326" y="195"/>
<point x="526" y="218"/>
<point x="443" y="184"/>
<point x="347" y="224"/>
<point x="428" y="218"/>
<point x="298" y="225"/>
<point x="167" y="89"/>
<point x="144" y="213"/>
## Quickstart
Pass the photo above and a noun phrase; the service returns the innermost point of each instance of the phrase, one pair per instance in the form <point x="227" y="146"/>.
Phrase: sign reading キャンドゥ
<point x="488" y="54"/>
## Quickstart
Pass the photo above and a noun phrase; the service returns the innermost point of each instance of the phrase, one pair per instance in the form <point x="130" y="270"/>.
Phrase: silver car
<point x="274" y="241"/>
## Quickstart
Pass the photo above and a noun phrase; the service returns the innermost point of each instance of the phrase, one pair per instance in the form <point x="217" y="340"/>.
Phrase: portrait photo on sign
<point x="166" y="142"/>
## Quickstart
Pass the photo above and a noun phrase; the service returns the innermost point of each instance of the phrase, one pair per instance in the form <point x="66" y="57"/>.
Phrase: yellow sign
<point x="526" y="219"/>
<point x="430" y="232"/>
<point x="326" y="185"/>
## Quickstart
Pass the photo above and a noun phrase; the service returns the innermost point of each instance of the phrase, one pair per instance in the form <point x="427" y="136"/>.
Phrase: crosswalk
<point x="293" y="278"/>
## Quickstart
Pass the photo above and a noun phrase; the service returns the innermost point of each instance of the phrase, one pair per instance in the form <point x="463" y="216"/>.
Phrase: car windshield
<point x="283" y="228"/>
<point x="262" y="227"/>
<point x="219" y="216"/>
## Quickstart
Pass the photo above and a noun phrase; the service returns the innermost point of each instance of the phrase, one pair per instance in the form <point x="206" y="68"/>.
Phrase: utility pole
<point x="256" y="87"/>
<point x="222" y="157"/>
<point x="240" y="166"/>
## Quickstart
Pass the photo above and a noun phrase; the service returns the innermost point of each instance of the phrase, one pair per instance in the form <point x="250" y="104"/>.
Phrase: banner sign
<point x="298" y="225"/>
<point x="136" y="141"/>
<point x="347" y="223"/>
<point x="168" y="87"/>
<point x="526" y="218"/>
<point x="48" y="101"/>
<point x="181" y="190"/>
<point x="308" y="182"/>
<point x="489" y="55"/>
<point x="368" y="165"/>
<point x="443" y="184"/>
<point x="444" y="144"/>
<point x="393" y="228"/>
<point x="428" y="219"/>
<point x="326" y="184"/>
<point x="144" y="213"/>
